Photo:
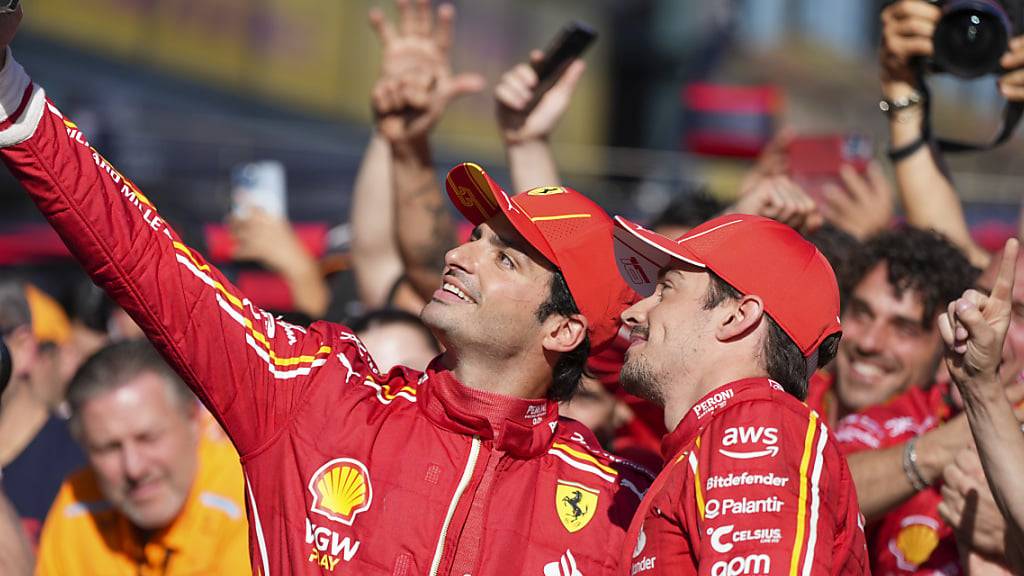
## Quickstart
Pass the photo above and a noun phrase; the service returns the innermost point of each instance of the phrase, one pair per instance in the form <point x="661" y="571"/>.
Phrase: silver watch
<point x="890" y="107"/>
<point x="8" y="6"/>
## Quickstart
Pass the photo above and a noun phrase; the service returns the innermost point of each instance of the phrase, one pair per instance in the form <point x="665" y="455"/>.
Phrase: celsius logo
<point x="743" y="565"/>
<point x="723" y="537"/>
<point x="716" y="538"/>
<point x="767" y="437"/>
<point x="341" y="490"/>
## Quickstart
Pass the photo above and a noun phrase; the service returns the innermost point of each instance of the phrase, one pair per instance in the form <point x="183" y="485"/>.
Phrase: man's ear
<point x="564" y="333"/>
<point x="740" y="318"/>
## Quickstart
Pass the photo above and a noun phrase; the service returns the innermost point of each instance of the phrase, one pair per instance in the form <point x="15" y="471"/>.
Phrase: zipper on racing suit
<point x="467" y="476"/>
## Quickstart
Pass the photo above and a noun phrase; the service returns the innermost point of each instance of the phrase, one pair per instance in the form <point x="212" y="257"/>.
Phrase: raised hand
<point x="907" y="28"/>
<point x="521" y="115"/>
<point x="416" y="83"/>
<point x="863" y="206"/>
<point x="974" y="327"/>
<point x="969" y="507"/>
<point x="781" y="199"/>
<point x="1011" y="84"/>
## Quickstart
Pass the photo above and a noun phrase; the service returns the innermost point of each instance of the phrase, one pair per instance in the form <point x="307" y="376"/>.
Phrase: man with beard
<point x="898" y="452"/>
<point x="895" y="285"/>
<point x="462" y="468"/>
<point x="738" y="313"/>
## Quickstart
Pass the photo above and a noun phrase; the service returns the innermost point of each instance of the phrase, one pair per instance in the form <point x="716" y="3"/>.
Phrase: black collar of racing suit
<point x="521" y="427"/>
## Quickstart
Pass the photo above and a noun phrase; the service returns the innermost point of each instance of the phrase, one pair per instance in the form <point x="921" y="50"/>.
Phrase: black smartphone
<point x="572" y="40"/>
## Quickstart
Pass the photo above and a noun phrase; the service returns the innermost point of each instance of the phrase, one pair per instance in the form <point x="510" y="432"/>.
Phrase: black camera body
<point x="973" y="35"/>
<point x="5" y="366"/>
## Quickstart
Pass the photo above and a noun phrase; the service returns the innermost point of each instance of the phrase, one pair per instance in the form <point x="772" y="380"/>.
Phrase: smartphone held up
<point x="571" y="42"/>
<point x="814" y="161"/>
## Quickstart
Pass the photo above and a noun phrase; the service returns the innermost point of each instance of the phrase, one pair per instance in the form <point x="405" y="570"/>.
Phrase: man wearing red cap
<point x="738" y="313"/>
<point x="464" y="468"/>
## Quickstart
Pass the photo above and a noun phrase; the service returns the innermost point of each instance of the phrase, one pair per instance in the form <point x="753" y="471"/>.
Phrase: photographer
<point x="930" y="201"/>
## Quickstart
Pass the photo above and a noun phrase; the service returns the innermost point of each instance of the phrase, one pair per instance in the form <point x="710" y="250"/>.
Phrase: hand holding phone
<point x="814" y="162"/>
<point x="572" y="41"/>
<point x="259" y="185"/>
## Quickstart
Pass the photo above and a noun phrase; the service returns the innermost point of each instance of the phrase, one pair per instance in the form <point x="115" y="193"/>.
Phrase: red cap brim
<point x="479" y="198"/>
<point x="642" y="254"/>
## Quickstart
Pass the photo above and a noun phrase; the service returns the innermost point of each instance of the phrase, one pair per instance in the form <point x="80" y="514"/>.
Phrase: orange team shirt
<point x="84" y="535"/>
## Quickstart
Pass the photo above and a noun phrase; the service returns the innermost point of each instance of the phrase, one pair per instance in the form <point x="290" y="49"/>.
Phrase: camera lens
<point x="971" y="37"/>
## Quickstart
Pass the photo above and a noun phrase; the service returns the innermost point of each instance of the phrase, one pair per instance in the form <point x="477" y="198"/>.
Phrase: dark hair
<point x="114" y="366"/>
<point x="688" y="210"/>
<point x="570" y="367"/>
<point x="837" y="245"/>
<point x="388" y="316"/>
<point x="922" y="261"/>
<point x="781" y="356"/>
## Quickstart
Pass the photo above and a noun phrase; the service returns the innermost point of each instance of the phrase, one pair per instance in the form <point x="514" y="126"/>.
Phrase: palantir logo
<point x="341" y="490"/>
<point x="565" y="566"/>
<point x="766" y="437"/>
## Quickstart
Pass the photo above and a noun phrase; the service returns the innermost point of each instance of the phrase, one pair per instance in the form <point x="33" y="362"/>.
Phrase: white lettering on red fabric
<point x="713" y="403"/>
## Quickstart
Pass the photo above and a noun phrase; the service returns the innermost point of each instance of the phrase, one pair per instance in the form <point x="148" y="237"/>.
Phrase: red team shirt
<point x="752" y="485"/>
<point x="348" y="470"/>
<point x="912" y="538"/>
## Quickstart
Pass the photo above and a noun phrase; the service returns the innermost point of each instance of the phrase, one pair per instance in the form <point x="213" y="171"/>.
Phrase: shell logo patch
<point x="575" y="504"/>
<point x="917" y="539"/>
<point x="341" y="489"/>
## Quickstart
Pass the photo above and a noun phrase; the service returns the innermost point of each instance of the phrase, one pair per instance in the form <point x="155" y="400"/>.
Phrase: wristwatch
<point x="890" y="107"/>
<point x="8" y="6"/>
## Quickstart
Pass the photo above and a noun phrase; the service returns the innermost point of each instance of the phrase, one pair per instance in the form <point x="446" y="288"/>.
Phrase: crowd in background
<point x="110" y="463"/>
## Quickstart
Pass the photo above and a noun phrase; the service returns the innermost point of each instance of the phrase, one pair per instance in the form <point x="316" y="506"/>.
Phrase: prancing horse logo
<point x="575" y="504"/>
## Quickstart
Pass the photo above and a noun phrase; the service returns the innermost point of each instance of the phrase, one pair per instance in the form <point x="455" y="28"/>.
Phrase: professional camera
<point x="973" y="35"/>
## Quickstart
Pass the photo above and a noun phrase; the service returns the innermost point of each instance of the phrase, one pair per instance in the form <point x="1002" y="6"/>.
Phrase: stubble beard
<point x="639" y="379"/>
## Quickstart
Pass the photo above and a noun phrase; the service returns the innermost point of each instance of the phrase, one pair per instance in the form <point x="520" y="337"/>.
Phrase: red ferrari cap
<point x="568" y="228"/>
<point x="755" y="255"/>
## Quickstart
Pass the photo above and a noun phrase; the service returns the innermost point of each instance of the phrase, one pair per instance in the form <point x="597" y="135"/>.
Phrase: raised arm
<point x="974" y="329"/>
<point x="928" y="196"/>
<point x="525" y="129"/>
<point x="271" y="241"/>
<point x="879" y="474"/>
<point x="249" y="369"/>
<point x="408" y="104"/>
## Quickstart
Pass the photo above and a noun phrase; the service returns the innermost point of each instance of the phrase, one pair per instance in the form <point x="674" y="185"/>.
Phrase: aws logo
<point x="341" y="489"/>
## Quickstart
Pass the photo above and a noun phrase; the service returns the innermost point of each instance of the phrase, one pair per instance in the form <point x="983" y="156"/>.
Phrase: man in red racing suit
<point x="349" y="470"/>
<point x="753" y="483"/>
